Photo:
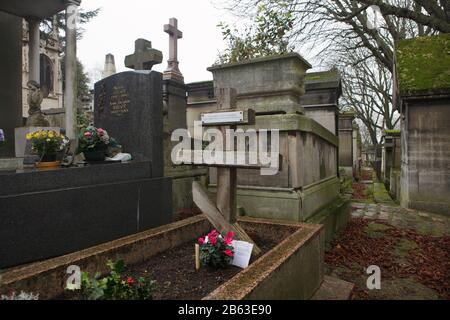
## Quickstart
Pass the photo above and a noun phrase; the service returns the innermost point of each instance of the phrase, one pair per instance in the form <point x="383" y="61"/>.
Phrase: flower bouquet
<point x="47" y="144"/>
<point x="216" y="250"/>
<point x="94" y="143"/>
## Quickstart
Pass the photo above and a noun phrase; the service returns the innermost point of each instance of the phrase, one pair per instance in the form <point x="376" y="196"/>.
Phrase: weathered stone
<point x="321" y="100"/>
<point x="144" y="56"/>
<point x="346" y="142"/>
<point x="268" y="85"/>
<point x="423" y="98"/>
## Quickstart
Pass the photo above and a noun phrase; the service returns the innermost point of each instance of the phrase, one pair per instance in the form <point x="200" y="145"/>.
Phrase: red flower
<point x="213" y="234"/>
<point x="228" y="252"/>
<point x="130" y="281"/>
<point x="229" y="238"/>
<point x="213" y="240"/>
<point x="201" y="240"/>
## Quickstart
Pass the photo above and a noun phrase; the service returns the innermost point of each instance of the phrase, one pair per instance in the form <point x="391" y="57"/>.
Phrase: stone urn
<point x="269" y="85"/>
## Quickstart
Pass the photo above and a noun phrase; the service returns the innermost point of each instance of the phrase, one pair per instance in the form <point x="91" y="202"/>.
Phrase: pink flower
<point x="213" y="240"/>
<point x="201" y="240"/>
<point x="213" y="234"/>
<point x="229" y="238"/>
<point x="100" y="131"/>
<point x="228" y="252"/>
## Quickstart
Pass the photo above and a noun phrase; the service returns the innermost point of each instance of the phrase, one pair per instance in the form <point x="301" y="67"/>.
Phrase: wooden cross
<point x="144" y="57"/>
<point x="223" y="215"/>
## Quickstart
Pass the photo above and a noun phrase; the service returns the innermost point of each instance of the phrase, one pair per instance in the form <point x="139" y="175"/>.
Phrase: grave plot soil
<point x="413" y="265"/>
<point x="175" y="271"/>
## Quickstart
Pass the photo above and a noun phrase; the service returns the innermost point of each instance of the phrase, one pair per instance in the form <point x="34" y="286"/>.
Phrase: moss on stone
<point x="393" y="132"/>
<point x="423" y="64"/>
<point x="331" y="74"/>
<point x="375" y="230"/>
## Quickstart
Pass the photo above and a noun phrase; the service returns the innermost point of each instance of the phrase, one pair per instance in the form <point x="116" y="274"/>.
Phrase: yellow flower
<point x="29" y="136"/>
<point x="51" y="135"/>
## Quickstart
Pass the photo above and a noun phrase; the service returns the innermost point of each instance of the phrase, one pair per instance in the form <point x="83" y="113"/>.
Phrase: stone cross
<point x="144" y="57"/>
<point x="172" y="70"/>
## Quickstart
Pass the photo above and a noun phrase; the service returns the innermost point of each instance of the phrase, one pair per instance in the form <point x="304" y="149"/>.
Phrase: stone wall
<point x="321" y="100"/>
<point x="425" y="176"/>
<point x="346" y="141"/>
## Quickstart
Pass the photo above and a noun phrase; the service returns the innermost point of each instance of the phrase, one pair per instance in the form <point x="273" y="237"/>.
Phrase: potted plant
<point x="93" y="143"/>
<point x="46" y="144"/>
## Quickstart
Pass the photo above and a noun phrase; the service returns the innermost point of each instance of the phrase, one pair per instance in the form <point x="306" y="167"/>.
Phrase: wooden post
<point x="216" y="218"/>
<point x="197" y="257"/>
<point x="223" y="215"/>
<point x="226" y="177"/>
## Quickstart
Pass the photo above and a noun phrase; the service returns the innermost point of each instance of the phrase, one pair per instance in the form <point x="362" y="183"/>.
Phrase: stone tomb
<point x="48" y="214"/>
<point x="346" y="142"/>
<point x="51" y="213"/>
<point x="321" y="100"/>
<point x="308" y="180"/>
<point x="423" y="99"/>
<point x="391" y="161"/>
<point x="175" y="110"/>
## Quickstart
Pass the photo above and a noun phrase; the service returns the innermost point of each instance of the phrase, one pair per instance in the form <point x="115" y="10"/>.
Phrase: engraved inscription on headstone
<point x="119" y="101"/>
<point x="101" y="97"/>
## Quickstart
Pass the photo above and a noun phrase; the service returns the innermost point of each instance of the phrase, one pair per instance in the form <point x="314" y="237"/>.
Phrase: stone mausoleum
<point x="422" y="71"/>
<point x="307" y="186"/>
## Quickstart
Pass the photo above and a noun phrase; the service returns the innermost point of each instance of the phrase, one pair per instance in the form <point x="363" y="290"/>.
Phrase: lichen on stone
<point x="331" y="74"/>
<point x="423" y="64"/>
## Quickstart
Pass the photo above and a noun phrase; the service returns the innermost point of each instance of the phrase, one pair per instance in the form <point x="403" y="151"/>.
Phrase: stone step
<point x="334" y="289"/>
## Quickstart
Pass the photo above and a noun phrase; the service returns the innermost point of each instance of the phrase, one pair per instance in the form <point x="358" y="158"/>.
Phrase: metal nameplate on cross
<point x="144" y="56"/>
<point x="223" y="215"/>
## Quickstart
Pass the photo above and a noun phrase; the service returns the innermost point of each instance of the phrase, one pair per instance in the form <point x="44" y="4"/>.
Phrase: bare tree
<point x="342" y="33"/>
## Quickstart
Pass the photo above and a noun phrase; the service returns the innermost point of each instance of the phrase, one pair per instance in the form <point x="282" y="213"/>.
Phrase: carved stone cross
<point x="172" y="70"/>
<point x="144" y="57"/>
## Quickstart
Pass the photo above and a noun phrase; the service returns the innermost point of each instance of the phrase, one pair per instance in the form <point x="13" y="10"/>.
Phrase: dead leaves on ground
<point x="428" y="263"/>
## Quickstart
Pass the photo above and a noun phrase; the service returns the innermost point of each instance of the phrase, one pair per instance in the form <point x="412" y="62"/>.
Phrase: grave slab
<point x="51" y="213"/>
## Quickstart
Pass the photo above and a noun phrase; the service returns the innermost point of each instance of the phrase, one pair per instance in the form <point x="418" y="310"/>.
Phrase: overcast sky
<point x="120" y="23"/>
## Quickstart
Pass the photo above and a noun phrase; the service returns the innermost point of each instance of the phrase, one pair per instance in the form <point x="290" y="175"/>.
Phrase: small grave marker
<point x="223" y="215"/>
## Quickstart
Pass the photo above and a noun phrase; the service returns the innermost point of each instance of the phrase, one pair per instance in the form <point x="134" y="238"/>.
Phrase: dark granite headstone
<point x="46" y="214"/>
<point x="129" y="106"/>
